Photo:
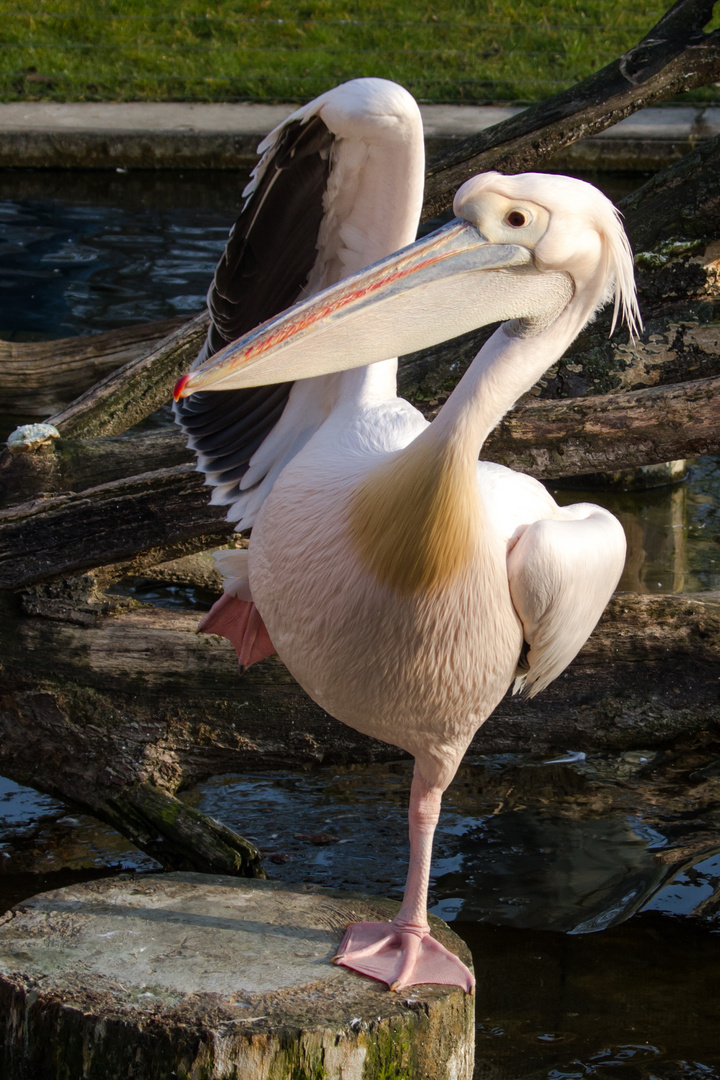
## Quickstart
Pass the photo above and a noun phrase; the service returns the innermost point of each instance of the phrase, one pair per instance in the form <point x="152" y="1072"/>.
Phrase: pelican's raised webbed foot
<point x="401" y="957"/>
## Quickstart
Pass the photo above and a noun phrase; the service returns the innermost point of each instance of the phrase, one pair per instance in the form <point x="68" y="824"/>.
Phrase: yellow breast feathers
<point x="415" y="520"/>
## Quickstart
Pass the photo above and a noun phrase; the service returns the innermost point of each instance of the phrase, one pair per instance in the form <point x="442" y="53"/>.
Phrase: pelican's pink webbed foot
<point x="401" y="957"/>
<point x="241" y="623"/>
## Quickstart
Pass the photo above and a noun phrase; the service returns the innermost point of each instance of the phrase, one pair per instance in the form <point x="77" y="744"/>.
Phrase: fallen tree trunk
<point x="38" y="378"/>
<point x="115" y="706"/>
<point x="553" y="439"/>
<point x="72" y="465"/>
<point x="62" y="535"/>
<point x="166" y="512"/>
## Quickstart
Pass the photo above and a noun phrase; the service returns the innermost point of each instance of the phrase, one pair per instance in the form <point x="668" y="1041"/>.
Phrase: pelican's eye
<point x="517" y="218"/>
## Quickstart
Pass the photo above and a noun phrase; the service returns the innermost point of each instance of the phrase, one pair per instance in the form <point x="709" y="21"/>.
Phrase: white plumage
<point x="397" y="576"/>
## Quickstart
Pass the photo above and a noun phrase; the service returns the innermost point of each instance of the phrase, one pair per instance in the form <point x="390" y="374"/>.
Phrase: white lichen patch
<point x="30" y="436"/>
<point x="644" y="365"/>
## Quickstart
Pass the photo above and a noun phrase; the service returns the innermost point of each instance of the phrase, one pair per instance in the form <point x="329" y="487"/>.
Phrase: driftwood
<point x="40" y="377"/>
<point x="114" y="706"/>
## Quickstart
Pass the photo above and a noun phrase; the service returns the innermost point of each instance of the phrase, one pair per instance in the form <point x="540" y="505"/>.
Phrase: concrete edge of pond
<point x="186" y="135"/>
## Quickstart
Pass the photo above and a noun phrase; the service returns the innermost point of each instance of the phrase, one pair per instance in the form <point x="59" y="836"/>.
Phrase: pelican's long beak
<point x="445" y="284"/>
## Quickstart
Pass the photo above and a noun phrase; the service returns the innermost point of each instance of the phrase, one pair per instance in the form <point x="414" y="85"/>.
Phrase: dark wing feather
<point x="270" y="252"/>
<point x="272" y="248"/>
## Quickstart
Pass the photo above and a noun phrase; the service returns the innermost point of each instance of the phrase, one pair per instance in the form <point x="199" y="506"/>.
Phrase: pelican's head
<point x="568" y="225"/>
<point x="529" y="247"/>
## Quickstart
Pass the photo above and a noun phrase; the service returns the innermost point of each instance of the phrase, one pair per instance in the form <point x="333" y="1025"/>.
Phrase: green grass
<point x="234" y="50"/>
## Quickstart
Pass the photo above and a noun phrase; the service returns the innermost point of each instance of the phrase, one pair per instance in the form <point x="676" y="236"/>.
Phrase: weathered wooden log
<point x="129" y="395"/>
<point x="167" y="510"/>
<point x="190" y="975"/>
<point x="551" y="439"/>
<point x="64" y="465"/>
<point x="105" y="701"/>
<point x="38" y="378"/>
<point x="673" y="57"/>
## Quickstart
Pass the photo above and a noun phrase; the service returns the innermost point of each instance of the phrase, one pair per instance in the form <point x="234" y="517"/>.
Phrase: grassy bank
<point x="507" y="50"/>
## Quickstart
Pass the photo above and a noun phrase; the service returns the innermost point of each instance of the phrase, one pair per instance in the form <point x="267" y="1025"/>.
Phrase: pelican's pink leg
<point x="402" y="953"/>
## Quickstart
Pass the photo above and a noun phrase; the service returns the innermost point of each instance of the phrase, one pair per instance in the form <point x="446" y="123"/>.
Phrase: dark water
<point x="85" y="252"/>
<point x="673" y="532"/>
<point x="588" y="889"/>
<point x="82" y="252"/>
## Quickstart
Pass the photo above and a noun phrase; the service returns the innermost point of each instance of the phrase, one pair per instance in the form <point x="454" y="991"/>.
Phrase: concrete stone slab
<point x="196" y="135"/>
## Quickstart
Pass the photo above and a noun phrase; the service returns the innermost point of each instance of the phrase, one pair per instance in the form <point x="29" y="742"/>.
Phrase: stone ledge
<point x="169" y="135"/>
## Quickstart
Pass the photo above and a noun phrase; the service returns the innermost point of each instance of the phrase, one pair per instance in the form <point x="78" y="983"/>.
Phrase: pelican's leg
<point x="402" y="953"/>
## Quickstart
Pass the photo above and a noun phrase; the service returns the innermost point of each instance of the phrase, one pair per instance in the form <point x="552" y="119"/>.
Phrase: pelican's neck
<point x="507" y="366"/>
<point x="363" y="386"/>
<point x="416" y="519"/>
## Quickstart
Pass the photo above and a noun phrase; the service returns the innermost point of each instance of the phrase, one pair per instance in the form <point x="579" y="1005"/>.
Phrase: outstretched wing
<point x="338" y="186"/>
<point x="562" y="572"/>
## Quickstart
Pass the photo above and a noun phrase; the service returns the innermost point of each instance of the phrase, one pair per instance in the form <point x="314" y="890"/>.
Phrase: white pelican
<point x="404" y="584"/>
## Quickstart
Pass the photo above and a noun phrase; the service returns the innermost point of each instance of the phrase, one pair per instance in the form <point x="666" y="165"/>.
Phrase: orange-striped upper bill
<point x="312" y="337"/>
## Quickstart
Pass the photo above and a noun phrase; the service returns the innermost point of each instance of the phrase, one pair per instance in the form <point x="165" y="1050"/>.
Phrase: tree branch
<point x="41" y="377"/>
<point x="136" y="390"/>
<point x="673" y="57"/>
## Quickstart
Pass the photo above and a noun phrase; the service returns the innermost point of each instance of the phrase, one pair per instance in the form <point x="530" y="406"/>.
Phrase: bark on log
<point x="673" y="57"/>
<point x="114" y="706"/>
<point x="62" y="535"/>
<point x="131" y="394"/>
<point x="167" y="510"/>
<point x="40" y="377"/>
<point x="552" y="439"/>
<point x="64" y="465"/>
<point x="223" y="978"/>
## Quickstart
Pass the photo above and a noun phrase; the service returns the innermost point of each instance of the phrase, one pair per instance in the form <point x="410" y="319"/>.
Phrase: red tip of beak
<point x="180" y="385"/>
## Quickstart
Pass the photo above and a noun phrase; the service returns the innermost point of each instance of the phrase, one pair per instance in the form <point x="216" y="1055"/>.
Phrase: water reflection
<point x="533" y="870"/>
<point x="567" y="847"/>
<point x="539" y="865"/>
<point x="638" y="1002"/>
<point x="573" y="846"/>
<point x="673" y="532"/>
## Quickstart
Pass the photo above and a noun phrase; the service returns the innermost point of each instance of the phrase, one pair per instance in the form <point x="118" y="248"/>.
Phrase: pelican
<point x="405" y="584"/>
